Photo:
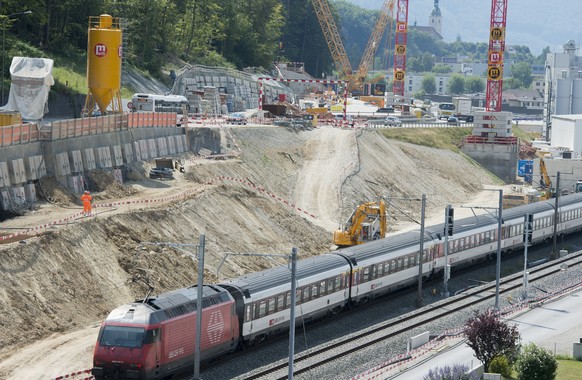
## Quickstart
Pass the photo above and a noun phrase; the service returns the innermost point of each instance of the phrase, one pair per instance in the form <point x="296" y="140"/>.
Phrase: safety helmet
<point x="86" y="191"/>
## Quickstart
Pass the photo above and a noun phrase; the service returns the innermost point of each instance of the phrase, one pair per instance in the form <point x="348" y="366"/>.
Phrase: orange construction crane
<point x="336" y="47"/>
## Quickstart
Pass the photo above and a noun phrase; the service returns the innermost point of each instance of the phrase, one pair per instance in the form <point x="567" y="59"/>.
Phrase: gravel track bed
<point x="399" y="307"/>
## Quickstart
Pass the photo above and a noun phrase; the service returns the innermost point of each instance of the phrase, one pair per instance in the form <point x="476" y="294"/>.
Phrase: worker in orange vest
<point x="86" y="198"/>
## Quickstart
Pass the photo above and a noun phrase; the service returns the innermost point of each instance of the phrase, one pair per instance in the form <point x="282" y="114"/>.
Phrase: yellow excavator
<point x="367" y="222"/>
<point x="546" y="189"/>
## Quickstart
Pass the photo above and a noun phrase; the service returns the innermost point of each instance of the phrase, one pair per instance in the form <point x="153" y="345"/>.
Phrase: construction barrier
<point x="19" y="134"/>
<point x="183" y="195"/>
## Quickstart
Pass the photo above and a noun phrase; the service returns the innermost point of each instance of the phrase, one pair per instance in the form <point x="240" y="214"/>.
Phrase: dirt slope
<point x="56" y="288"/>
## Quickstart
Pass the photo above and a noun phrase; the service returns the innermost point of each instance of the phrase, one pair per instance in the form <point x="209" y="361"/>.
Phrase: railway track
<point x="339" y="349"/>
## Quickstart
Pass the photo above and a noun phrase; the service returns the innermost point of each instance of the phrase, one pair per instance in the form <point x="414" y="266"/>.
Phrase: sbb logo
<point x="100" y="50"/>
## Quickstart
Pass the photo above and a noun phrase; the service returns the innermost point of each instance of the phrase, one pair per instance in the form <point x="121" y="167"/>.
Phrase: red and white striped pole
<point x="260" y="94"/>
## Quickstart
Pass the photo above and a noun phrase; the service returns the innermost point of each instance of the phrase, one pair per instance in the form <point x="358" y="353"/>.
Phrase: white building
<point x="413" y="83"/>
<point x="564" y="81"/>
<point x="566" y="133"/>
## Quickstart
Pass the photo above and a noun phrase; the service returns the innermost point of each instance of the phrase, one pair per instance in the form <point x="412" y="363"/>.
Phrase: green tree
<point x="456" y="85"/>
<point x="488" y="336"/>
<point x="536" y="363"/>
<point x="500" y="365"/>
<point x="521" y="71"/>
<point x="441" y="69"/>
<point x="474" y="84"/>
<point x="429" y="83"/>
<point x="511" y="83"/>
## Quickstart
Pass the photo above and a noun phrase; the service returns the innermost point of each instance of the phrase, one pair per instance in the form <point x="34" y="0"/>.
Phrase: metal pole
<point x="445" y="275"/>
<point x="3" y="56"/>
<point x="499" y="237"/>
<point x="556" y="216"/>
<point x="199" y="307"/>
<point x="419" y="299"/>
<point x="525" y="245"/>
<point x="292" y="316"/>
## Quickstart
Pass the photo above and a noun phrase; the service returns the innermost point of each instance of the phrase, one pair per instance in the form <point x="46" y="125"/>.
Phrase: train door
<point x="153" y="337"/>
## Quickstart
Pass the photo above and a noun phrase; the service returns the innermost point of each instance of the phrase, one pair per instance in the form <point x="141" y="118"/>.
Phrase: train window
<point x="379" y="270"/>
<point x="398" y="264"/>
<point x="477" y="240"/>
<point x="322" y="288"/>
<point x="307" y="293"/>
<point x="338" y="283"/>
<point x="329" y="286"/>
<point x="248" y="313"/>
<point x="412" y="260"/>
<point x="271" y="305"/>
<point x="374" y="275"/>
<point x="287" y="300"/>
<point x="386" y="267"/>
<point x="298" y="296"/>
<point x="405" y="262"/>
<point x="262" y="308"/>
<point x="366" y="274"/>
<point x="455" y="245"/>
<point x="280" y="302"/>
<point x="152" y="336"/>
<point x="314" y="293"/>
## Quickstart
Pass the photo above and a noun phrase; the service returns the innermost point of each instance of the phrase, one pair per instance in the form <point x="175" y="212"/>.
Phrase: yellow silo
<point x="104" y="50"/>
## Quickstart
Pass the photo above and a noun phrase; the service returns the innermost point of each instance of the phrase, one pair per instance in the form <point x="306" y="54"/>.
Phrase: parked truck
<point x="463" y="108"/>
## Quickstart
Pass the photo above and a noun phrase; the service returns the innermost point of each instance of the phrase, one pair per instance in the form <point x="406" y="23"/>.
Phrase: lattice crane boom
<point x="375" y="37"/>
<point x="332" y="36"/>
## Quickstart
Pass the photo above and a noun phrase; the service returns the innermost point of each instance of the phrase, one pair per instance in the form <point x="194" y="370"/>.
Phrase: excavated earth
<point x="282" y="189"/>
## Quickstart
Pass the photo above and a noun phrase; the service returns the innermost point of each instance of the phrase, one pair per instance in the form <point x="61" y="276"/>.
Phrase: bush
<point x="535" y="363"/>
<point x="500" y="365"/>
<point x="456" y="372"/>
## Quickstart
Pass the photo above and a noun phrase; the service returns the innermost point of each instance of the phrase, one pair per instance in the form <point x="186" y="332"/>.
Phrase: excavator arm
<point x="367" y="222"/>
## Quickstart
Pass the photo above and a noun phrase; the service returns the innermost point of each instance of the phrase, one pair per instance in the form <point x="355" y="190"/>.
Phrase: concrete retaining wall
<point x="501" y="160"/>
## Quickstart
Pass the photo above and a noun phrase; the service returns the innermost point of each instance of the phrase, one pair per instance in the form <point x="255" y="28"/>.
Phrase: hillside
<point x="286" y="190"/>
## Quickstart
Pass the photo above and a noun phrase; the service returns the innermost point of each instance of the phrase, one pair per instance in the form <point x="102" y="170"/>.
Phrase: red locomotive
<point x="155" y="337"/>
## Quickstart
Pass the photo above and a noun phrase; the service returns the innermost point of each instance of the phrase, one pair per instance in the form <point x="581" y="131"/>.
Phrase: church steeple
<point x="436" y="18"/>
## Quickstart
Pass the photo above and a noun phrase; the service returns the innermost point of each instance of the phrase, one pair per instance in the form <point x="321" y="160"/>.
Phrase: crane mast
<point x="400" y="47"/>
<point x="496" y="51"/>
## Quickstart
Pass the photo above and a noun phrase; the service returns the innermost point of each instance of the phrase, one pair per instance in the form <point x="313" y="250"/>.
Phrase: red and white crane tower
<point x="496" y="51"/>
<point x="400" y="47"/>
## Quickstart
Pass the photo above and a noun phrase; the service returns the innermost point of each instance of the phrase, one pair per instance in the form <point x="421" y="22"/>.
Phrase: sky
<point x="534" y="23"/>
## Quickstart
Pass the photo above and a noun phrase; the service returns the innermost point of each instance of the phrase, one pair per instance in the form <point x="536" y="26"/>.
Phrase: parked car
<point x="453" y="120"/>
<point x="385" y="110"/>
<point x="392" y="121"/>
<point x="470" y="118"/>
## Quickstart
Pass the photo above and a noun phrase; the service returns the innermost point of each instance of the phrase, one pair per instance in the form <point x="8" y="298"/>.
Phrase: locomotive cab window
<point x="152" y="336"/>
<point x="122" y="336"/>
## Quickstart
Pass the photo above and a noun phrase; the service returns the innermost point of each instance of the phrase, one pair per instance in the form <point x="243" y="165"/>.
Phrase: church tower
<point x="436" y="18"/>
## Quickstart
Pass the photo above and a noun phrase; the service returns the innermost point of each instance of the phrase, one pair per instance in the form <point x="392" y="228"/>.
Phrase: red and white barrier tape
<point x="157" y="200"/>
<point x="75" y="374"/>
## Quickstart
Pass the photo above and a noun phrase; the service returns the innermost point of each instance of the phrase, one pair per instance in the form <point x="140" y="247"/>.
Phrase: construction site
<point x="258" y="187"/>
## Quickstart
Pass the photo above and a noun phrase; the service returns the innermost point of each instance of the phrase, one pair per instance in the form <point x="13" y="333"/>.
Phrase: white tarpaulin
<point x="29" y="90"/>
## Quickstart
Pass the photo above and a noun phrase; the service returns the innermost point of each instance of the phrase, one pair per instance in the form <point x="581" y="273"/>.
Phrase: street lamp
<point x="6" y="18"/>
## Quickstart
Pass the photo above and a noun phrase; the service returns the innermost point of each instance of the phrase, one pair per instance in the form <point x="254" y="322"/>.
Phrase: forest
<point x="231" y="33"/>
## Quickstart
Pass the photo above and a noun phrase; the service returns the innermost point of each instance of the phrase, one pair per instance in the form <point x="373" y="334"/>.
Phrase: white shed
<point x="567" y="133"/>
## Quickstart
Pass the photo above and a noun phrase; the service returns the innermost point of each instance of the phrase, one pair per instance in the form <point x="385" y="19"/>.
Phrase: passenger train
<point x="155" y="337"/>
